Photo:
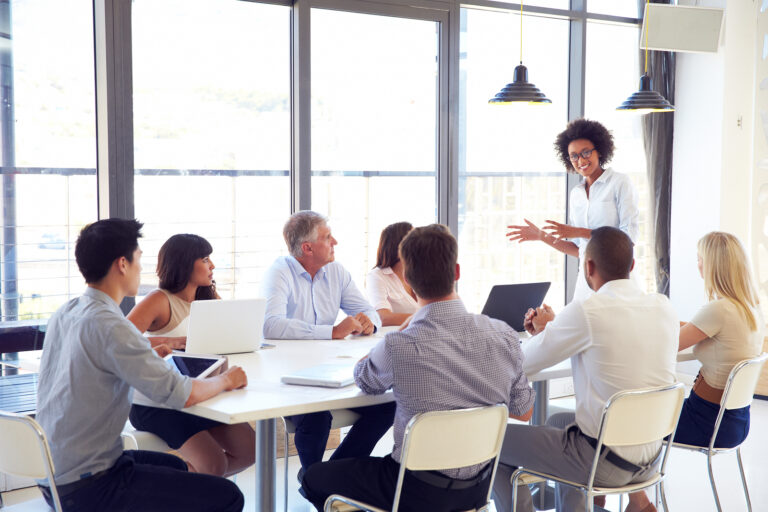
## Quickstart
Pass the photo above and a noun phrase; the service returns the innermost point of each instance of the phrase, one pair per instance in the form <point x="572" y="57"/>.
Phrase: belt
<point x="705" y="391"/>
<point x="612" y="457"/>
<point x="436" y="479"/>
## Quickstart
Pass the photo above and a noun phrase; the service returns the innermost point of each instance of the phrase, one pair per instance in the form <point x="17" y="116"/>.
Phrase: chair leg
<point x="621" y="501"/>
<point x="712" y="481"/>
<point x="663" y="497"/>
<point x="514" y="493"/>
<point x="590" y="502"/>
<point x="285" y="463"/>
<point x="743" y="479"/>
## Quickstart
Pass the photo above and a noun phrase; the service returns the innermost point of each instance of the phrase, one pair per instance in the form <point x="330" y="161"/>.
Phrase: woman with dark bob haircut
<point x="391" y="296"/>
<point x="185" y="270"/>
<point x="602" y="198"/>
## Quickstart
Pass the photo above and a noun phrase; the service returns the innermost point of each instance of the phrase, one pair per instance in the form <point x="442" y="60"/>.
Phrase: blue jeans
<point x="697" y="422"/>
<point x="144" y="481"/>
<point x="312" y="432"/>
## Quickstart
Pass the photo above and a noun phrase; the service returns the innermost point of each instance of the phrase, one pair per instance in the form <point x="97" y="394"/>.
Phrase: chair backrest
<point x="742" y="382"/>
<point x="641" y="416"/>
<point x="24" y="450"/>
<point x="453" y="439"/>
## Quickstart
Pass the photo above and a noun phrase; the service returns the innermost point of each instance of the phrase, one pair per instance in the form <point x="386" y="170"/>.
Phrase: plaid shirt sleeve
<point x="374" y="374"/>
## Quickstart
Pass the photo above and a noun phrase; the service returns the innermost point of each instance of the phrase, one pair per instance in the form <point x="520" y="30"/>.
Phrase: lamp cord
<point x="521" y="32"/>
<point x="646" y="36"/>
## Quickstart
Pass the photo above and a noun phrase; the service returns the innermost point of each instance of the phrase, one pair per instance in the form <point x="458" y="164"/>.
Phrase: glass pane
<point x="212" y="132"/>
<point x="374" y="127"/>
<point x="627" y="8"/>
<point x="553" y="4"/>
<point x="618" y="45"/>
<point x="508" y="171"/>
<point x="48" y="151"/>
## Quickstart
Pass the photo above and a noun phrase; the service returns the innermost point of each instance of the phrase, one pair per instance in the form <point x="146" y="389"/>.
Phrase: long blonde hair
<point x="726" y="273"/>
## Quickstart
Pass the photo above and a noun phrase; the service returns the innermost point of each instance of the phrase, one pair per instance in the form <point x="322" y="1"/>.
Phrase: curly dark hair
<point x="594" y="132"/>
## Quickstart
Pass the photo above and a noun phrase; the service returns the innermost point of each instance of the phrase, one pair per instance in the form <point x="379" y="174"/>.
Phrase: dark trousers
<point x="372" y="480"/>
<point x="697" y="422"/>
<point x="312" y="433"/>
<point x="144" y="481"/>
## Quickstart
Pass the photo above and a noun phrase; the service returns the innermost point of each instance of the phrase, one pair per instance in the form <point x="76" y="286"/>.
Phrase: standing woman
<point x="602" y="198"/>
<point x="185" y="271"/>
<point x="391" y="296"/>
<point x="726" y="330"/>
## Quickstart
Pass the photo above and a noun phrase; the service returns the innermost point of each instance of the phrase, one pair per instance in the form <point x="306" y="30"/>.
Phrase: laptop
<point x="510" y="302"/>
<point x="332" y="375"/>
<point x="225" y="326"/>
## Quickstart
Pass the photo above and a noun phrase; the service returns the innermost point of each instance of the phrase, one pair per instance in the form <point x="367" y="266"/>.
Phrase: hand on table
<point x="350" y="325"/>
<point x="162" y="350"/>
<point x="526" y="233"/>
<point x="176" y="343"/>
<point x="234" y="378"/>
<point x="365" y="323"/>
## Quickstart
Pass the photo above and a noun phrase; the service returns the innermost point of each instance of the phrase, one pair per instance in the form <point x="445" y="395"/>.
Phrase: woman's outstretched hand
<point x="527" y="233"/>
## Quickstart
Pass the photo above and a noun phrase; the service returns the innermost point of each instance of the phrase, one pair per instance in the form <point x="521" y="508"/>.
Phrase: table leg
<point x="265" y="469"/>
<point x="543" y="495"/>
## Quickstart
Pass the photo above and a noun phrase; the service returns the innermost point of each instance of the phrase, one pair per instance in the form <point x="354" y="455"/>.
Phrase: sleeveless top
<point x="177" y="325"/>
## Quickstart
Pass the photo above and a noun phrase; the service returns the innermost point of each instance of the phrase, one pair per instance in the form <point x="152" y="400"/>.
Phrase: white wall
<point x="712" y="176"/>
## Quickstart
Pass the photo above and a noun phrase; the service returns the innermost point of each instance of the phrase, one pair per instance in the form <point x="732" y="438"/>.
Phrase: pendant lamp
<point x="646" y="100"/>
<point x="520" y="90"/>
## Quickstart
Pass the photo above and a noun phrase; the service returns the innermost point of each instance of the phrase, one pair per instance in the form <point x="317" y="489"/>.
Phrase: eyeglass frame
<point x="585" y="154"/>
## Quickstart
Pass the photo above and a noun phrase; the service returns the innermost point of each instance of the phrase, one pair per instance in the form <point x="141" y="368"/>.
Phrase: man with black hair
<point x="619" y="338"/>
<point x="447" y="358"/>
<point x="92" y="358"/>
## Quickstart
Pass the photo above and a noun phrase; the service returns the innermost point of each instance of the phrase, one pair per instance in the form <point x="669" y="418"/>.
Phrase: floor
<point x="687" y="485"/>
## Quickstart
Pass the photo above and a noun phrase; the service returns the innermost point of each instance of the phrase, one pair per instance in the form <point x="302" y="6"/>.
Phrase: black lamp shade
<point x="646" y="99"/>
<point x="520" y="90"/>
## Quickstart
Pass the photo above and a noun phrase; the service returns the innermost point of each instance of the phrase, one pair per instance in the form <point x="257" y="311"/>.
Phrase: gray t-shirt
<point x="92" y="357"/>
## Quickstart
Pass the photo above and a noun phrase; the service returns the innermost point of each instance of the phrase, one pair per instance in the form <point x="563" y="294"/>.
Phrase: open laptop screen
<point x="509" y="302"/>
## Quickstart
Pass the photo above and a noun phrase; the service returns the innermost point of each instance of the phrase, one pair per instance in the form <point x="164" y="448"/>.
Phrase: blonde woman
<point x="727" y="329"/>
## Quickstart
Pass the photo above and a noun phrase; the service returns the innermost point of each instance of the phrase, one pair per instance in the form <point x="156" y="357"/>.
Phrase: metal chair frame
<point x="710" y="451"/>
<point x="44" y="453"/>
<point x="588" y="488"/>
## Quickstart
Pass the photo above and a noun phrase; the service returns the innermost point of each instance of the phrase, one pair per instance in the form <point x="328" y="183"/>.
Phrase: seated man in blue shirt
<point x="92" y="358"/>
<point x="305" y="292"/>
<point x="447" y="358"/>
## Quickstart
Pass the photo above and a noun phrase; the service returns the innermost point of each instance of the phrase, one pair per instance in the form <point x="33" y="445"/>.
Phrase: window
<point x="374" y="127"/>
<point x="212" y="132"/>
<point x="508" y="170"/>
<point x="48" y="151"/>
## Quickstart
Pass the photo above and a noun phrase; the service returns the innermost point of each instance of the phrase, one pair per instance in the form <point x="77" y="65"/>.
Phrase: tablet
<point x="194" y="365"/>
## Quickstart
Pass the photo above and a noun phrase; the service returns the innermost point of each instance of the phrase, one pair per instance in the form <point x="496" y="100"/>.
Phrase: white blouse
<point x="612" y="202"/>
<point x="386" y="291"/>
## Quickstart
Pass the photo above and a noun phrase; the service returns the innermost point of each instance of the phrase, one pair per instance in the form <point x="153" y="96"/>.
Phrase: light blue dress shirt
<point x="299" y="307"/>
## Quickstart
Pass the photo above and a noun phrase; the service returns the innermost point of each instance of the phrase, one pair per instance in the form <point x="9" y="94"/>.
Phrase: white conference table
<point x="265" y="398"/>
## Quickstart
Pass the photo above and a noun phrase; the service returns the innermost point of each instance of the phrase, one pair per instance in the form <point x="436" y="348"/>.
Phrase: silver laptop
<point x="332" y="375"/>
<point x="225" y="326"/>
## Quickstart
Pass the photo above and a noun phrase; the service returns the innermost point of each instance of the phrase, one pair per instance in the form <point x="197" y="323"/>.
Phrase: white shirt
<point x="612" y="202"/>
<point x="618" y="339"/>
<point x="729" y="341"/>
<point x="386" y="291"/>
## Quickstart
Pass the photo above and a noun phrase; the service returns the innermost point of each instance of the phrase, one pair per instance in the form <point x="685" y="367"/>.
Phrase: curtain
<point x="658" y="133"/>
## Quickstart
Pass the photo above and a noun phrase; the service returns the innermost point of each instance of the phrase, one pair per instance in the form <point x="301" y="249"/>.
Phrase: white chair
<point x="339" y="418"/>
<point x="140" y="440"/>
<point x="24" y="452"/>
<point x="738" y="392"/>
<point x="629" y="418"/>
<point x="441" y="440"/>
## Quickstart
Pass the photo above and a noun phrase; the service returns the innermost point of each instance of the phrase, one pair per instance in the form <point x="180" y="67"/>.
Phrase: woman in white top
<point x="185" y="271"/>
<point x="602" y="198"/>
<point x="390" y="295"/>
<point x="727" y="329"/>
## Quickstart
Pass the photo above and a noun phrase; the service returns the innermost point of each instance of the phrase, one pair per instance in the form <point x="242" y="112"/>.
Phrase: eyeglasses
<point x="584" y="154"/>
